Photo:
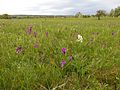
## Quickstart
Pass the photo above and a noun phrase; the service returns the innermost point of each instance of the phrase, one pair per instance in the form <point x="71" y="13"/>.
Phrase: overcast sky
<point x="55" y="7"/>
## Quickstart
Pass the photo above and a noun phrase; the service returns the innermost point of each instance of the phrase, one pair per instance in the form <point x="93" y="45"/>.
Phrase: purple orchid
<point x="36" y="45"/>
<point x="63" y="50"/>
<point x="113" y="33"/>
<point x="35" y="34"/>
<point x="29" y="31"/>
<point x="18" y="49"/>
<point x="63" y="62"/>
<point x="46" y="34"/>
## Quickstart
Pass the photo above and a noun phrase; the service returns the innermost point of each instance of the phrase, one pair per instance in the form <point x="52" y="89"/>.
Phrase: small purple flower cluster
<point x="46" y="33"/>
<point x="64" y="50"/>
<point x="63" y="62"/>
<point x="36" y="45"/>
<point x="35" y="34"/>
<point x="113" y="33"/>
<point x="29" y="31"/>
<point x="18" y="49"/>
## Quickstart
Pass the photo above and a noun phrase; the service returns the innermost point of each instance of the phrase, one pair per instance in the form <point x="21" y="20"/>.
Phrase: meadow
<point x="44" y="54"/>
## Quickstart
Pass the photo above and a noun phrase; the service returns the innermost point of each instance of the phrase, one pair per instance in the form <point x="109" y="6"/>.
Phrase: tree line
<point x="113" y="13"/>
<point x="100" y="13"/>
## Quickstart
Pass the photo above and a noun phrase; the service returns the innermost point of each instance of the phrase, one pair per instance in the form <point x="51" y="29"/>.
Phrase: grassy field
<point x="31" y="55"/>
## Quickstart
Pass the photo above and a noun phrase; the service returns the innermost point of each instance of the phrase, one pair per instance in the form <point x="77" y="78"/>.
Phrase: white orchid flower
<point x="80" y="38"/>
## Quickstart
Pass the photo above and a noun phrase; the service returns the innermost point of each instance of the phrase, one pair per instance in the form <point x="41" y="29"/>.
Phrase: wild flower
<point x="46" y="33"/>
<point x="36" y="45"/>
<point x="80" y="38"/>
<point x="18" y="49"/>
<point x="30" y="28"/>
<point x="35" y="34"/>
<point x="62" y="63"/>
<point x="113" y="33"/>
<point x="63" y="50"/>
<point x="29" y="31"/>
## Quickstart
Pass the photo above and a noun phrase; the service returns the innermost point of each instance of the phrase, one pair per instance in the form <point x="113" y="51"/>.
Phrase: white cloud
<point x="55" y="7"/>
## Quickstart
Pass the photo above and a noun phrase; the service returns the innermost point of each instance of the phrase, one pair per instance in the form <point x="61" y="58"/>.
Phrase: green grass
<point x="95" y="64"/>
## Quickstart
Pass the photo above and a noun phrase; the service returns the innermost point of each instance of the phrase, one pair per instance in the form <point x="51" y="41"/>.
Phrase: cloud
<point x="55" y="7"/>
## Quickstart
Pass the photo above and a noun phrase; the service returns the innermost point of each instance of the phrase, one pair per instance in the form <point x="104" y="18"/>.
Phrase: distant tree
<point x="115" y="12"/>
<point x="26" y="17"/>
<point x="5" y="16"/>
<point x="0" y="16"/>
<point x="78" y="14"/>
<point x="100" y="13"/>
<point x="93" y="15"/>
<point x="86" y="16"/>
<point x="112" y="12"/>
